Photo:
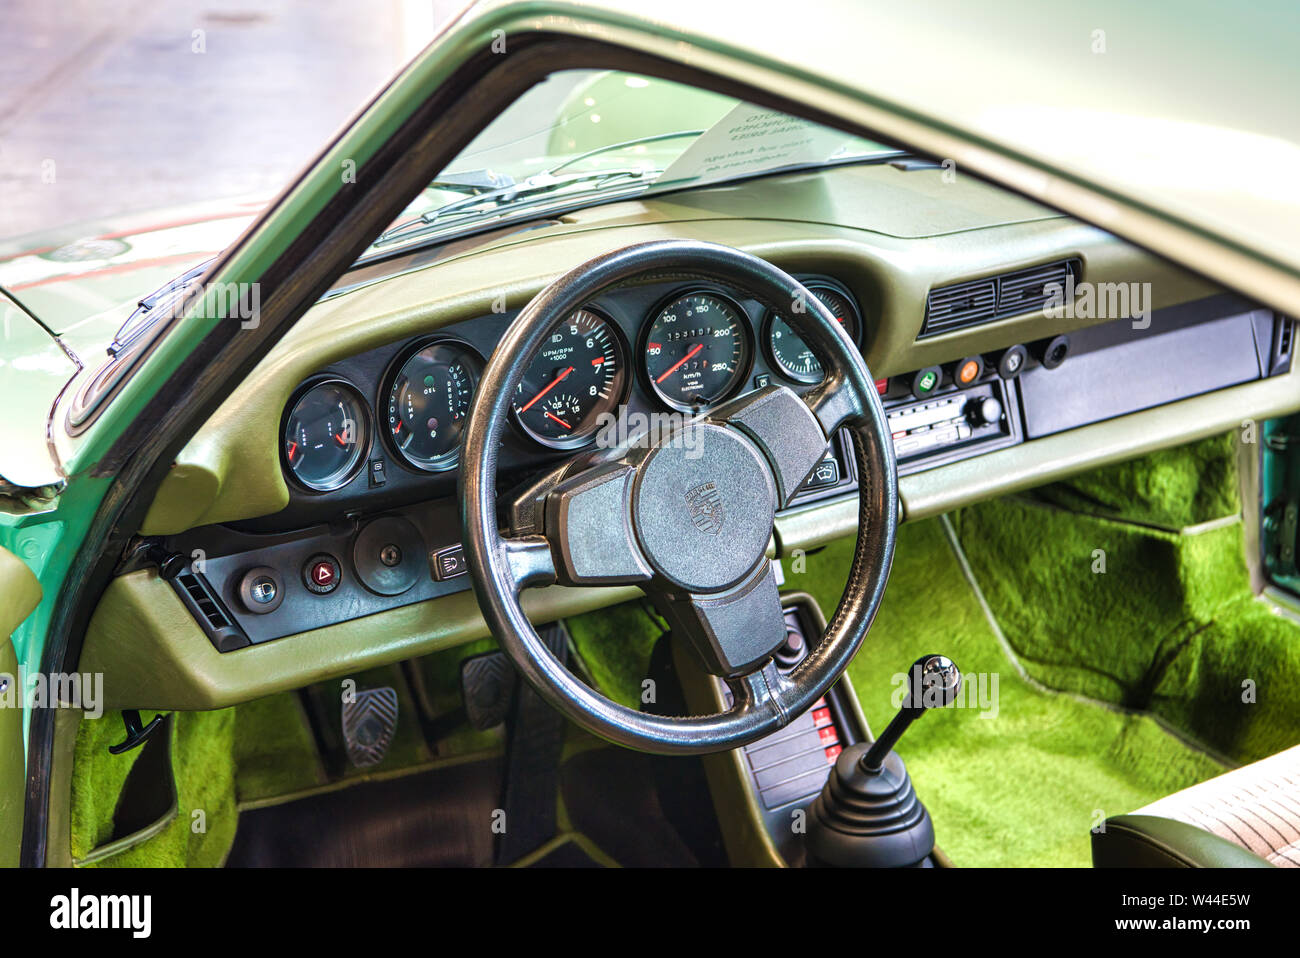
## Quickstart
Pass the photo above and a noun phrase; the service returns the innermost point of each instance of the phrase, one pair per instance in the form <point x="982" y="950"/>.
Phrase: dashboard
<point x="382" y="428"/>
<point x="311" y="528"/>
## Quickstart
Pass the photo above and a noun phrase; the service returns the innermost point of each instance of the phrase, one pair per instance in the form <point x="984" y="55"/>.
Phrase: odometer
<point x="579" y="373"/>
<point x="326" y="436"/>
<point x="696" y="350"/>
<point x="789" y="353"/>
<point x="427" y="402"/>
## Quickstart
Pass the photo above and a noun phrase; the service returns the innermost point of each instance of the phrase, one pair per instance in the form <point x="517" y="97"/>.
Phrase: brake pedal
<point x="369" y="722"/>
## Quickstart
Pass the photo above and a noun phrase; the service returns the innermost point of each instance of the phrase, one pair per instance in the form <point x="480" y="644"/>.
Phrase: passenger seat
<point x="1247" y="818"/>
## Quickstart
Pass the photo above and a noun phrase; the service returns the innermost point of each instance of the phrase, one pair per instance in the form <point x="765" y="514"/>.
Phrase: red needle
<point x="547" y="388"/>
<point x="681" y="362"/>
<point x="341" y="439"/>
<point x="559" y="420"/>
<point x="293" y="447"/>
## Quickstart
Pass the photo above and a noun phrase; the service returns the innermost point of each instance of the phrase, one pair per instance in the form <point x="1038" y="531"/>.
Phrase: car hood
<point x="82" y="281"/>
<point x="63" y="295"/>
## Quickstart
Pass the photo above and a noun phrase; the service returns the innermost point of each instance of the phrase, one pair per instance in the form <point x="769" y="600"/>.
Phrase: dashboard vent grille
<point x="203" y="601"/>
<point x="949" y="308"/>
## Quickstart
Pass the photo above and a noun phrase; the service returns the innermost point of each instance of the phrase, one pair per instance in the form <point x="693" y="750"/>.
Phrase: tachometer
<point x="577" y="375"/>
<point x="326" y="435"/>
<point x="697" y="350"/>
<point x="788" y="352"/>
<point x="428" y="401"/>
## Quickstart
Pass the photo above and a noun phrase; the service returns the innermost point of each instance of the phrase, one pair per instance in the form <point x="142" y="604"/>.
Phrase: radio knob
<point x="984" y="412"/>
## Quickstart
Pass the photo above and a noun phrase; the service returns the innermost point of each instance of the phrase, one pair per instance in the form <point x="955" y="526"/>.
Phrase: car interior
<point x="622" y="423"/>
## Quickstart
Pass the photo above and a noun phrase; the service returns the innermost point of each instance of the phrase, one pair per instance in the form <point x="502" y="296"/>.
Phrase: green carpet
<point x="1018" y="787"/>
<point x="200" y="833"/>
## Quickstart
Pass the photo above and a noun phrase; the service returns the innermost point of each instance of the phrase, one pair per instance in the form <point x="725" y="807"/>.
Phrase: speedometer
<point x="578" y="375"/>
<point x="696" y="350"/>
<point x="427" y="402"/>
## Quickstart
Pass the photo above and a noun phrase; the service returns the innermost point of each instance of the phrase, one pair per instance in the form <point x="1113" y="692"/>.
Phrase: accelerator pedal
<point x="369" y="721"/>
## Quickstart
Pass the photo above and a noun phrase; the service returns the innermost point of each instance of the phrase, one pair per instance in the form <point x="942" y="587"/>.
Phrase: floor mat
<point x="609" y="794"/>
<point x="441" y="817"/>
<point x="1023" y="780"/>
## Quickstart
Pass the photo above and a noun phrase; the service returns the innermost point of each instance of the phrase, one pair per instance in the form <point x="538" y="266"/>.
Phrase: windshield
<point x="584" y="137"/>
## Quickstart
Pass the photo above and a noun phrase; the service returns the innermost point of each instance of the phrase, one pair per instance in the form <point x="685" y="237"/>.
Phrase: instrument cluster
<point x="694" y="347"/>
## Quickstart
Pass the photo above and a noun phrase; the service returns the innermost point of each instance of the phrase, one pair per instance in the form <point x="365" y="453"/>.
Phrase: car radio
<point x="948" y="421"/>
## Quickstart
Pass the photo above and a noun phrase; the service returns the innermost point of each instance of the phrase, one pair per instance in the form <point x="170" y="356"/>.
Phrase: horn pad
<point x="703" y="507"/>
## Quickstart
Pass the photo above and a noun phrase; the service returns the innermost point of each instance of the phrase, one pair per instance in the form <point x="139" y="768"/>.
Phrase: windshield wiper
<point x="149" y="310"/>
<point x="540" y="184"/>
<point x="477" y="184"/>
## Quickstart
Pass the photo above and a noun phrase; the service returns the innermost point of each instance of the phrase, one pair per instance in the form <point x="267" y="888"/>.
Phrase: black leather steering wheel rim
<point x="501" y="567"/>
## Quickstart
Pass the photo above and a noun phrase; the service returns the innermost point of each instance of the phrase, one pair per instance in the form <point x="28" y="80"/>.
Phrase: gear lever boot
<point x="868" y="815"/>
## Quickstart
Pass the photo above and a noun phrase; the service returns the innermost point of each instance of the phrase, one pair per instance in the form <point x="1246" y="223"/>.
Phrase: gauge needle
<point x="293" y="448"/>
<point x="547" y="388"/>
<point x="681" y="362"/>
<point x="341" y="439"/>
<point x="559" y="420"/>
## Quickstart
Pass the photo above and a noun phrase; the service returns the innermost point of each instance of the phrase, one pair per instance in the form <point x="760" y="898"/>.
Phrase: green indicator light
<point x="429" y="381"/>
<point x="928" y="382"/>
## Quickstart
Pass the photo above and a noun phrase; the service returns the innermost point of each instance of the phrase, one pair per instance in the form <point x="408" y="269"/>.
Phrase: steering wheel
<point x="688" y="518"/>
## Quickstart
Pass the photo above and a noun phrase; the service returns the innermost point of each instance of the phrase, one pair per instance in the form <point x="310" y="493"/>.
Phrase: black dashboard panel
<point x="388" y="481"/>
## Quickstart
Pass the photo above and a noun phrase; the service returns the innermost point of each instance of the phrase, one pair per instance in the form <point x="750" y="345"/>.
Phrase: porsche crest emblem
<point x="707" y="512"/>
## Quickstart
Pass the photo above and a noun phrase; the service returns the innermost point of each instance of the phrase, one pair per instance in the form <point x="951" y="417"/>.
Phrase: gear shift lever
<point x="868" y="814"/>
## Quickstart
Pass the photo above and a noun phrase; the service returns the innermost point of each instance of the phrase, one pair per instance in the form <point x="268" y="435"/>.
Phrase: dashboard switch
<point x="321" y="574"/>
<point x="377" y="474"/>
<point x="968" y="370"/>
<point x="260" y="590"/>
<point x="826" y="474"/>
<point x="1012" y="361"/>
<point x="926" y="381"/>
<point x="448" y="563"/>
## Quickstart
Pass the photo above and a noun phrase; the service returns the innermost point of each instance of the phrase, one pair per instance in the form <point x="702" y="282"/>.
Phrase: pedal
<point x="368" y="725"/>
<point x="487" y="686"/>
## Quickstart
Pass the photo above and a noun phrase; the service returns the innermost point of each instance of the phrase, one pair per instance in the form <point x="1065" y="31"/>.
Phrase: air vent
<point x="968" y="304"/>
<point x="955" y="307"/>
<point x="224" y="633"/>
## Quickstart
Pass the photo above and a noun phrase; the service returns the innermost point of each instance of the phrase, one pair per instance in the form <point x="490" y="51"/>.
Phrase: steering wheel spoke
<point x="835" y="403"/>
<point x="733" y="631"/>
<point x="785" y="428"/>
<point x="529" y="561"/>
<point x="589" y="525"/>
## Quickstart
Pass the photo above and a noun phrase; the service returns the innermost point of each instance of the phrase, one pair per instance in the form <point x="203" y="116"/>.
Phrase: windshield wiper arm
<point x="610" y="148"/>
<point x="538" y="184"/>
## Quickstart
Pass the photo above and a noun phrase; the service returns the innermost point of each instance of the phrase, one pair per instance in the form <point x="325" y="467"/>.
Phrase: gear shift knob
<point x="933" y="681"/>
